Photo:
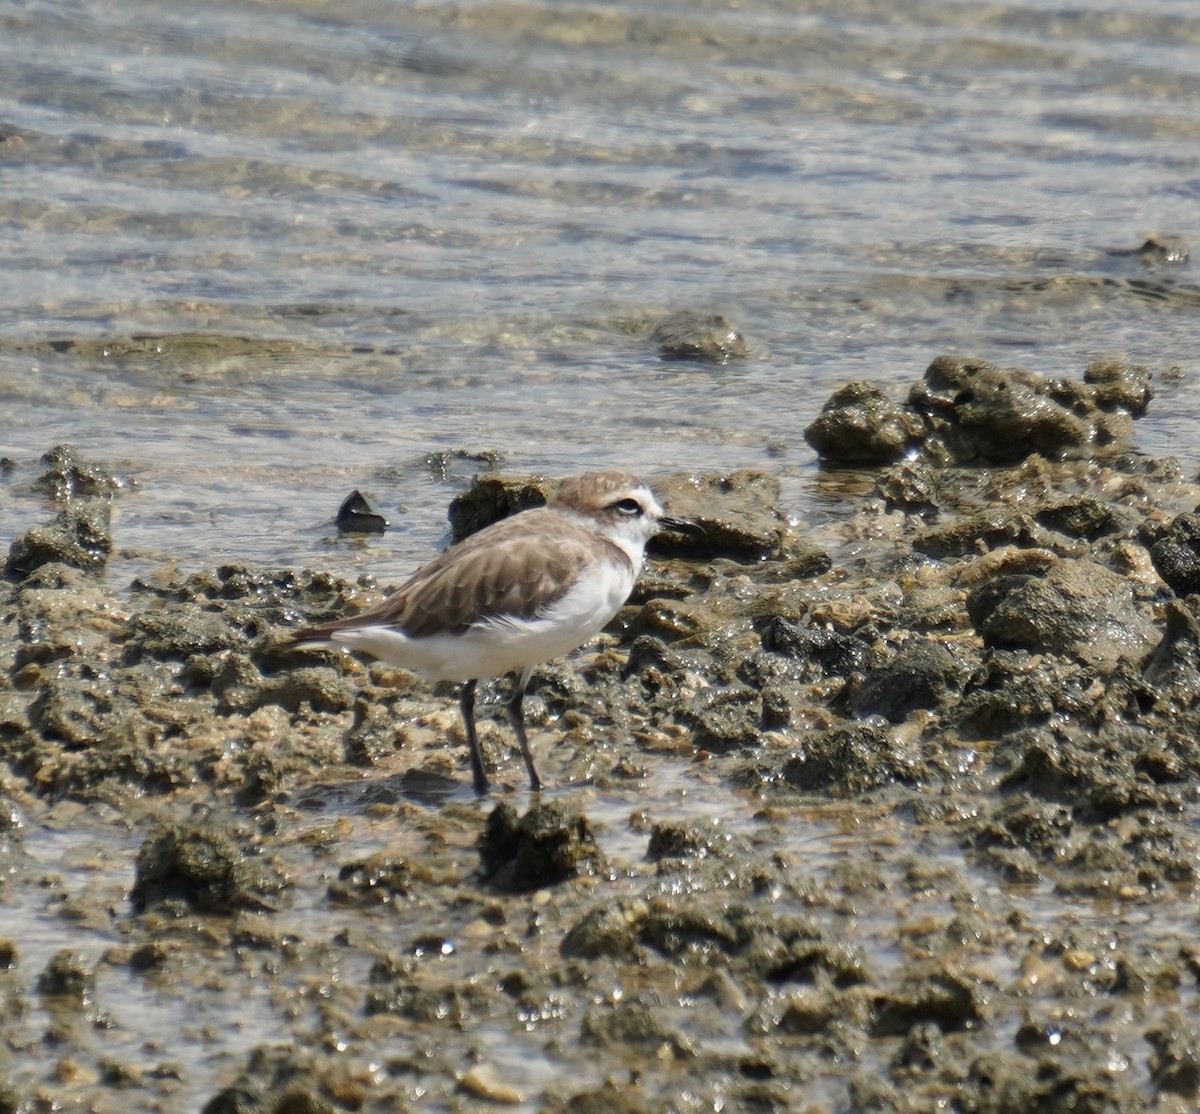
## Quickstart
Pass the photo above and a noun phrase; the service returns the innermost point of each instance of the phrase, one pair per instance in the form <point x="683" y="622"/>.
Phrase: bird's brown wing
<point x="515" y="567"/>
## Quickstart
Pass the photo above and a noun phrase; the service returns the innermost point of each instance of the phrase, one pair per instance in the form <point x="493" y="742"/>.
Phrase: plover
<point x="531" y="587"/>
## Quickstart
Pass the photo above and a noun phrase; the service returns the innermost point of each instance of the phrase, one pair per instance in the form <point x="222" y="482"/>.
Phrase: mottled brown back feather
<point x="515" y="567"/>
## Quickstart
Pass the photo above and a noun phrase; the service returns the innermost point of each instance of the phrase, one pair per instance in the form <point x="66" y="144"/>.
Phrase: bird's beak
<point x="681" y="526"/>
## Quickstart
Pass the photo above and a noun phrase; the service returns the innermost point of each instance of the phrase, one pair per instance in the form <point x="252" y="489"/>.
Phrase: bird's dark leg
<point x="516" y="713"/>
<point x="466" y="701"/>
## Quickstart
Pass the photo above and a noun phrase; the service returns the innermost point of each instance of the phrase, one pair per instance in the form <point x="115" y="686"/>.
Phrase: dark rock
<point x="1077" y="607"/>
<point x="1101" y="773"/>
<point x="491" y="498"/>
<point x="849" y="760"/>
<point x="609" y="930"/>
<point x="68" y="975"/>
<point x="360" y="514"/>
<point x="985" y="413"/>
<point x="929" y="993"/>
<point x="550" y="844"/>
<point x="1173" y="669"/>
<point x="1175" y="1061"/>
<point x="923" y="674"/>
<point x="859" y="425"/>
<point x="736" y="514"/>
<point x="725" y="719"/>
<point x="177" y="633"/>
<point x="284" y="1080"/>
<point x="79" y="537"/>
<point x="67" y="477"/>
<point x="1085" y="517"/>
<point x="688" y="841"/>
<point x="1176" y="556"/>
<point x="378" y="880"/>
<point x="609" y="1099"/>
<point x="910" y="484"/>
<point x="827" y="652"/>
<point x="698" y="336"/>
<point x="1119" y="386"/>
<point x="636" y="1024"/>
<point x="1002" y="1083"/>
<point x="202" y="863"/>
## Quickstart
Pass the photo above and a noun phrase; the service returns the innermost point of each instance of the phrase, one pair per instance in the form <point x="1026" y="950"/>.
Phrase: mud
<point x="904" y="821"/>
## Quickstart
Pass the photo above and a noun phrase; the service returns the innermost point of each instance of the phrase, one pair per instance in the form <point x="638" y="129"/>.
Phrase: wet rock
<point x="698" y="336"/>
<point x="1176" y="555"/>
<point x="1086" y="517"/>
<point x="724" y="720"/>
<point x="1158" y="250"/>
<point x="68" y="975"/>
<point x="609" y="1099"/>
<point x="283" y="1078"/>
<point x="737" y="515"/>
<point x="178" y="633"/>
<point x="1077" y="607"/>
<point x="550" y="844"/>
<point x="923" y="674"/>
<point x="845" y="761"/>
<point x="1099" y="773"/>
<point x="913" y="485"/>
<point x="1119" y="386"/>
<point x="995" y="528"/>
<point x="1003" y="1083"/>
<point x="395" y="989"/>
<point x="360" y="514"/>
<point x="688" y="841"/>
<point x="491" y="498"/>
<point x="378" y="880"/>
<point x="860" y="425"/>
<point x="372" y="735"/>
<point x="930" y="993"/>
<point x="79" y="537"/>
<point x="636" y="1024"/>
<point x="825" y="652"/>
<point x="67" y="477"/>
<point x="609" y="930"/>
<point x="202" y="863"/>
<point x="1175" y="1061"/>
<point x="1020" y="832"/>
<point x="1173" y="669"/>
<point x="984" y="413"/>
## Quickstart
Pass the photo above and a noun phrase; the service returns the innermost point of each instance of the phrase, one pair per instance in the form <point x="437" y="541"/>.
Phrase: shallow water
<point x="354" y="235"/>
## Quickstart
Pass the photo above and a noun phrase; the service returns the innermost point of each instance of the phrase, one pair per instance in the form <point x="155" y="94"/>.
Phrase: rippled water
<point x="351" y="235"/>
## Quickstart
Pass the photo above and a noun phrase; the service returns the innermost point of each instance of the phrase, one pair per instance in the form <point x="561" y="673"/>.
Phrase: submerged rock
<point x="698" y="336"/>
<point x="67" y="477"/>
<point x="550" y="844"/>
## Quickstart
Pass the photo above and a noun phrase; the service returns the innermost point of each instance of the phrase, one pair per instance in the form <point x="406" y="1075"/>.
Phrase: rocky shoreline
<point x="899" y="818"/>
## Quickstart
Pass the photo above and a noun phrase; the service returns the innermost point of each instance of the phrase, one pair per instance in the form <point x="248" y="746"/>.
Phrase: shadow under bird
<point x="529" y="588"/>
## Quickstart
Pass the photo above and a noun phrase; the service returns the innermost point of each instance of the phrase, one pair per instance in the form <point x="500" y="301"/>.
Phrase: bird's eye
<point x="629" y="507"/>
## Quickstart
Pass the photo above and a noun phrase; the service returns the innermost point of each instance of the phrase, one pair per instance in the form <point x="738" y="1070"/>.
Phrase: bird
<point x="527" y="589"/>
